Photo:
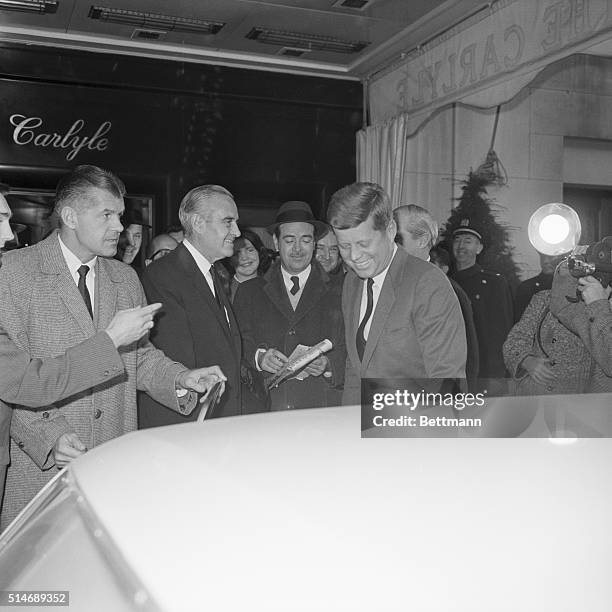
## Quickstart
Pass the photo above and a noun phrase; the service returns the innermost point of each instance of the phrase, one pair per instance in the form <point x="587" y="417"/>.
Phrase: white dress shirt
<point x="302" y="276"/>
<point x="74" y="263"/>
<point x="379" y="279"/>
<point x="203" y="264"/>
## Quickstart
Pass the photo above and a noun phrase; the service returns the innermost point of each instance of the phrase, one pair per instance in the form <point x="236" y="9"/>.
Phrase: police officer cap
<point x="467" y="226"/>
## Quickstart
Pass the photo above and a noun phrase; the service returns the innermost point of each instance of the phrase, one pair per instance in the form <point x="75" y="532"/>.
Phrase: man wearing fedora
<point x="130" y="239"/>
<point x="196" y="324"/>
<point x="490" y="295"/>
<point x="294" y="303"/>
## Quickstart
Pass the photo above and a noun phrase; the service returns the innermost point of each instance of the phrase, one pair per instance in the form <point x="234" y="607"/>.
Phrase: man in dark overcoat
<point x="294" y="303"/>
<point x="196" y="324"/>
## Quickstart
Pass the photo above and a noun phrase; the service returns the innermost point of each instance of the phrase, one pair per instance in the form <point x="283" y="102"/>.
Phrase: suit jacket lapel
<point x="233" y="330"/>
<point x="354" y="288"/>
<point x="106" y="294"/>
<point x="316" y="286"/>
<point x="201" y="287"/>
<point x="277" y="292"/>
<point x="54" y="264"/>
<point x="386" y="299"/>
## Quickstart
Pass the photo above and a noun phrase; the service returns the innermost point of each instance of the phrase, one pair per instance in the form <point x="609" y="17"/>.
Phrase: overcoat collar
<point x="54" y="266"/>
<point x="316" y="287"/>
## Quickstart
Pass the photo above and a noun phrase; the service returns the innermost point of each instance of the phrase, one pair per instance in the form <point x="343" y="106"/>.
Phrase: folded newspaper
<point x="210" y="402"/>
<point x="298" y="360"/>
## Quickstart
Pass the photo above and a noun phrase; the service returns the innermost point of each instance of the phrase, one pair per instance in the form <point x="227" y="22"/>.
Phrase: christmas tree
<point x="474" y="204"/>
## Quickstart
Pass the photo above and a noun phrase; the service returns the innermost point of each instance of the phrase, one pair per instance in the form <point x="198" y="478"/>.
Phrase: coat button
<point x="477" y="296"/>
<point x="292" y="332"/>
<point x="20" y="444"/>
<point x="591" y="319"/>
<point x="97" y="413"/>
<point x="484" y="282"/>
<point x="106" y="373"/>
<point x="553" y="340"/>
<point x="45" y="415"/>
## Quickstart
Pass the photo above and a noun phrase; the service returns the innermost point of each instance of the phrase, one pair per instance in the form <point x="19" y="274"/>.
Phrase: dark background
<point x="267" y="137"/>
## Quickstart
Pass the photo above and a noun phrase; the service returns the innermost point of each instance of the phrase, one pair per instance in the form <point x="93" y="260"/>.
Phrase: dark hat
<point x="298" y="212"/>
<point x="133" y="215"/>
<point x="467" y="226"/>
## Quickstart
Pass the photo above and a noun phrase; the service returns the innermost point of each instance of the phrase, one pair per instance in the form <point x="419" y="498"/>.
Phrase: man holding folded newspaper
<point x="293" y="307"/>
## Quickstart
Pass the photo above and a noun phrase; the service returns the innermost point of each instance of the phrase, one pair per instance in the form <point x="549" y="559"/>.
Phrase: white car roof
<point x="294" y="511"/>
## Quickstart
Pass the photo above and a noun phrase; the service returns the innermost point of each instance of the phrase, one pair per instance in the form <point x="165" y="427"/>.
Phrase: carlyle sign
<point x="30" y="131"/>
<point x="510" y="39"/>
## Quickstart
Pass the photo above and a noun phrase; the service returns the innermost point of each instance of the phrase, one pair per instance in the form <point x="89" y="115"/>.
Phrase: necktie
<point x="361" y="341"/>
<point x="296" y="285"/>
<point x="83" y="270"/>
<point x="218" y="290"/>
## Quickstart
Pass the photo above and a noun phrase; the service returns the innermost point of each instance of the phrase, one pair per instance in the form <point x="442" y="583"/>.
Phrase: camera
<point x="593" y="260"/>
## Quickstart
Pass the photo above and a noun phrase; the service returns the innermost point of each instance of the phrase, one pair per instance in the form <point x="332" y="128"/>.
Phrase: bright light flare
<point x="554" y="229"/>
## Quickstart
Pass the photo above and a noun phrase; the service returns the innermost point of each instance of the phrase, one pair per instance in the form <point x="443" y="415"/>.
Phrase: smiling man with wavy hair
<point x="401" y="316"/>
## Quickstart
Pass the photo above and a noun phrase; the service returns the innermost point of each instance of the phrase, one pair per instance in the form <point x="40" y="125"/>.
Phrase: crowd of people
<point x="90" y="349"/>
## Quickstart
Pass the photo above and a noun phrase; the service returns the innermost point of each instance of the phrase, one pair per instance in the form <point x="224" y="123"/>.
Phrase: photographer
<point x="591" y="320"/>
<point x="543" y="356"/>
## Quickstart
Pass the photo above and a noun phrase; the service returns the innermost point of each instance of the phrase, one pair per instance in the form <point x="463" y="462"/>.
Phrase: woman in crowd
<point x="591" y="319"/>
<point x="250" y="259"/>
<point x="543" y="356"/>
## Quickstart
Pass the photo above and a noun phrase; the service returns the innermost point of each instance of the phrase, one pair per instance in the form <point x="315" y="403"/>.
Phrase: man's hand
<point x="592" y="290"/>
<point x="318" y="366"/>
<point x="539" y="368"/>
<point x="201" y="380"/>
<point x="132" y="324"/>
<point x="272" y="361"/>
<point x="66" y="448"/>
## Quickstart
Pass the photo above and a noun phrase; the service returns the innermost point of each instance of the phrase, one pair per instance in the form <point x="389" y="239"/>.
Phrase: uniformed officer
<point x="490" y="295"/>
<point x="528" y="288"/>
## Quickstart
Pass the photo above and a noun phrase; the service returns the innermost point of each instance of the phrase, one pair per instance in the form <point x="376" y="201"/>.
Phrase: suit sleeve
<point x="34" y="432"/>
<point x="156" y="374"/>
<point x="439" y="326"/>
<point x="506" y="306"/>
<point x="36" y="383"/>
<point x="519" y="343"/>
<point x="337" y="356"/>
<point x="352" y="382"/>
<point x="472" y="364"/>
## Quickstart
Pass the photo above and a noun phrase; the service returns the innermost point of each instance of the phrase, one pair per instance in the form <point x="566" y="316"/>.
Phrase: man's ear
<point x="423" y="241"/>
<point x="392" y="230"/>
<point x="480" y="247"/>
<point x="197" y="222"/>
<point x="69" y="217"/>
<point x="275" y="240"/>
